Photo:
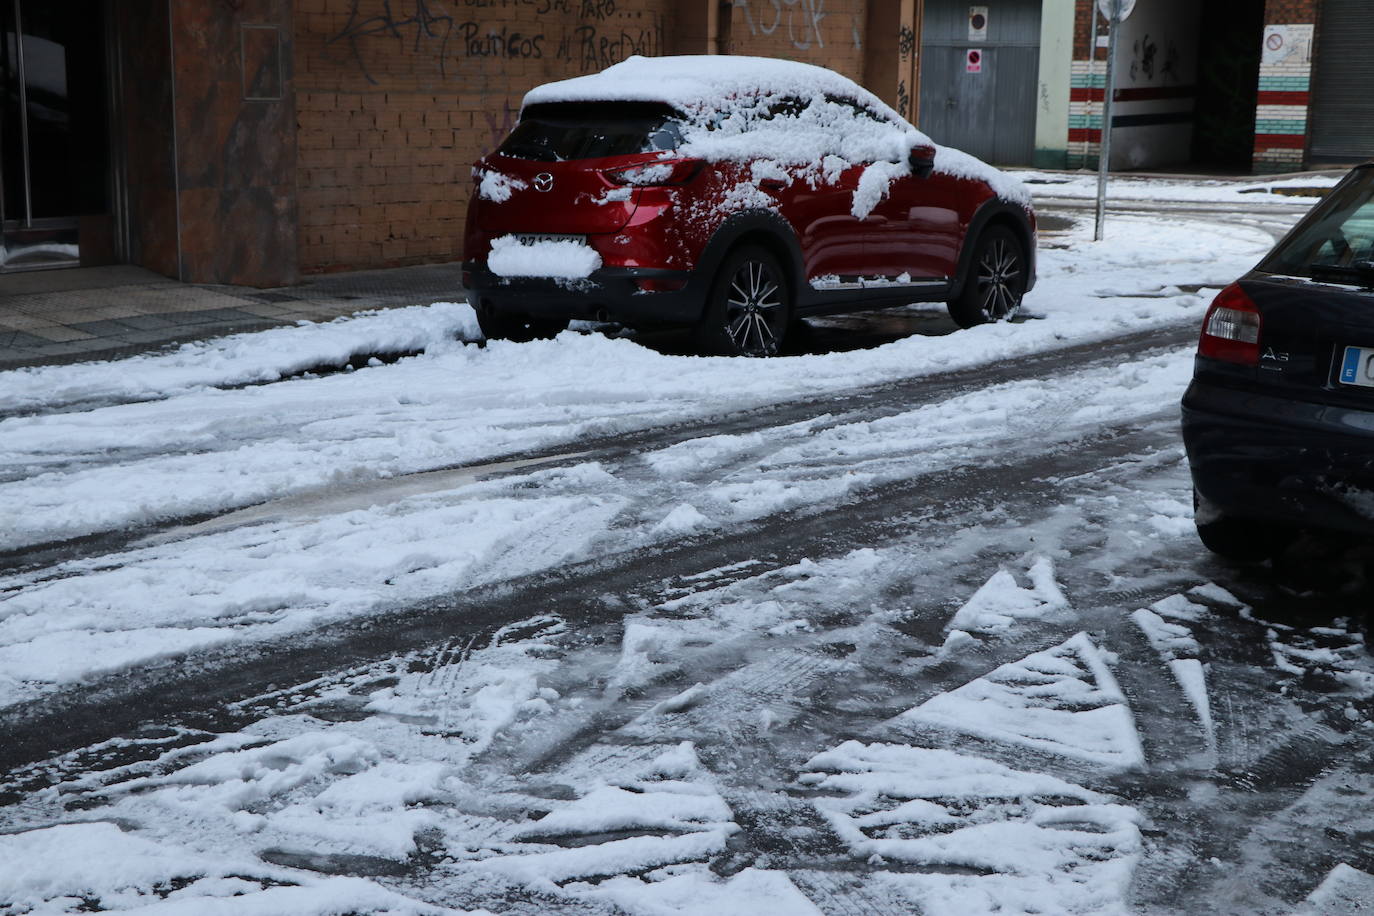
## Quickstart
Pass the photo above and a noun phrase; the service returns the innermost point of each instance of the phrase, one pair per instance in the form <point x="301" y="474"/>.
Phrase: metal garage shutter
<point x="1342" y="106"/>
<point x="991" y="112"/>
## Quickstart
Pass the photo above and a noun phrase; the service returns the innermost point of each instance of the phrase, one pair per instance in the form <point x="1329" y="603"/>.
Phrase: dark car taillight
<point x="656" y="174"/>
<point x="1231" y="330"/>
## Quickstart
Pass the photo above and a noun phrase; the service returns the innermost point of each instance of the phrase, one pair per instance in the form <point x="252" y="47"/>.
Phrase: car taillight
<point x="656" y="174"/>
<point x="1231" y="330"/>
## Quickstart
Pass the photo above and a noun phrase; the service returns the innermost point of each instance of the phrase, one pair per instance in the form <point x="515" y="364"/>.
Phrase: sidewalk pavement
<point x="62" y="316"/>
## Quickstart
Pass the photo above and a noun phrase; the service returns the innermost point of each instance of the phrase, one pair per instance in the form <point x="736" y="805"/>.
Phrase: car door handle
<point x="772" y="184"/>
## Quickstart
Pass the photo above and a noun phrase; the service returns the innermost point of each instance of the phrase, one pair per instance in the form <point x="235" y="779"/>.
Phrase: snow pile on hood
<point x="747" y="109"/>
<point x="563" y="258"/>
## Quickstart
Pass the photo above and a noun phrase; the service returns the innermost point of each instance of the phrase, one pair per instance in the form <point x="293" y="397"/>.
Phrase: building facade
<point x="253" y="141"/>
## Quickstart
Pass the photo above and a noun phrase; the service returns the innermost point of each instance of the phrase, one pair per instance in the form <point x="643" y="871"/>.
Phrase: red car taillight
<point x="656" y="174"/>
<point x="1231" y="330"/>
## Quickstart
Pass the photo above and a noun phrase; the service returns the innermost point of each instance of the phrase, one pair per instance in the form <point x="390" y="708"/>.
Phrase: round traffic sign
<point x="1105" y="8"/>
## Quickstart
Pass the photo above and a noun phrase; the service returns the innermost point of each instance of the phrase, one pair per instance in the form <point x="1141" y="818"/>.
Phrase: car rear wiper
<point x="1361" y="270"/>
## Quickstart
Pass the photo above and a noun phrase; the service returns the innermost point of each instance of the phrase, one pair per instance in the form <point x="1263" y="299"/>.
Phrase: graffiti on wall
<point x="1145" y="62"/>
<point x="587" y="35"/>
<point x="800" y="20"/>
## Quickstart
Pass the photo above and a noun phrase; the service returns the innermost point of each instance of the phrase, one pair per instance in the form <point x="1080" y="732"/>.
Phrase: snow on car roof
<point x="690" y="80"/>
<point x="720" y="97"/>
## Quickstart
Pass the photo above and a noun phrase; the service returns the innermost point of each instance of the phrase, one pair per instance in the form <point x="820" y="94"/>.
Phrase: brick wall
<point x="1284" y="85"/>
<point x="831" y="34"/>
<point x="1087" y="82"/>
<point x="1082" y="28"/>
<point x="395" y="101"/>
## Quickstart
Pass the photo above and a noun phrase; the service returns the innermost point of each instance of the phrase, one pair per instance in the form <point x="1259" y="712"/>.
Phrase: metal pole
<point x="1104" y="151"/>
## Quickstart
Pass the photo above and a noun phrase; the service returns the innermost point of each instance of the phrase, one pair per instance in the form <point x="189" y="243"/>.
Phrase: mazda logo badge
<point x="543" y="182"/>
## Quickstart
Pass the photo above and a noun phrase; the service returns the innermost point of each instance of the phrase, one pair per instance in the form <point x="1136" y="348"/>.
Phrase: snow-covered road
<point x="576" y="626"/>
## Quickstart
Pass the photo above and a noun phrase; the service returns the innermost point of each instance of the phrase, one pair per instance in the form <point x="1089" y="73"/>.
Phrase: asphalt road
<point x="1245" y="809"/>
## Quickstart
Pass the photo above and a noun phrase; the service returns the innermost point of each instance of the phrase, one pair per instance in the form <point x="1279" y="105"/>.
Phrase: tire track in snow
<point x="866" y="403"/>
<point x="197" y="688"/>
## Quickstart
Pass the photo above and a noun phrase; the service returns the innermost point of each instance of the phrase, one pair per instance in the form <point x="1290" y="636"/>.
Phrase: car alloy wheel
<point x="749" y="309"/>
<point x="996" y="283"/>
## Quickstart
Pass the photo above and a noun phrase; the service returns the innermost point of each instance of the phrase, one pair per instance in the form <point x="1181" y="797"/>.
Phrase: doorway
<point x="54" y="135"/>
<point x="1230" y="37"/>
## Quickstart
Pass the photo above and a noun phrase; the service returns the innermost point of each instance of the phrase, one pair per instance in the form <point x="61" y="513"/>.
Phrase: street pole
<point x="1104" y="150"/>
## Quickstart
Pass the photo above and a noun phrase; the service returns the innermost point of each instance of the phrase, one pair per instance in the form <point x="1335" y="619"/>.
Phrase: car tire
<point x="996" y="280"/>
<point x="520" y="328"/>
<point x="749" y="308"/>
<point x="1240" y="539"/>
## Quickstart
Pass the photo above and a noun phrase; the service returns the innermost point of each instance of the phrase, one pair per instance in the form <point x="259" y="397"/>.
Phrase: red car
<point x="732" y="195"/>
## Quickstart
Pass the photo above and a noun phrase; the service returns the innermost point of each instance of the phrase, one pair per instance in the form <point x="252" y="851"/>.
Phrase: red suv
<point x="732" y="195"/>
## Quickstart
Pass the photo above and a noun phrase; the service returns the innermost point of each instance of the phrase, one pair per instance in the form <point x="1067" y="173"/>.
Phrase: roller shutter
<point x="1342" y="104"/>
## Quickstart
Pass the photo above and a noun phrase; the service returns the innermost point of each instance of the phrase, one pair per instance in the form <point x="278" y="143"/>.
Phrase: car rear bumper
<point x="609" y="294"/>
<point x="1276" y="459"/>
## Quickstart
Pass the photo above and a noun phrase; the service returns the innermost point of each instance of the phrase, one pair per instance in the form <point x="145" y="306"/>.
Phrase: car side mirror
<point x="922" y="161"/>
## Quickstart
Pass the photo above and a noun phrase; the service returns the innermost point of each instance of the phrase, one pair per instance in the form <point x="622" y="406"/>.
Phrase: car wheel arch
<point x="994" y="212"/>
<point x="755" y="227"/>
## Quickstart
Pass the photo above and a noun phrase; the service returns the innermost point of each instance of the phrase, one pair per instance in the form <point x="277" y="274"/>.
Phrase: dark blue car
<point x="1279" y="419"/>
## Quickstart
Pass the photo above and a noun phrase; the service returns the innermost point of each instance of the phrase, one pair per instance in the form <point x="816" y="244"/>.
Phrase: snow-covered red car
<point x="733" y="195"/>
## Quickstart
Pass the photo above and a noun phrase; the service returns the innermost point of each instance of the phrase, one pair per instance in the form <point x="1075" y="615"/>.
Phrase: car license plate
<point x="534" y="238"/>
<point x="1357" y="368"/>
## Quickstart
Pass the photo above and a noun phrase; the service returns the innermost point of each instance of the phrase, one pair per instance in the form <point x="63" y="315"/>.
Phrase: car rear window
<point x="591" y="130"/>
<point x="1335" y="238"/>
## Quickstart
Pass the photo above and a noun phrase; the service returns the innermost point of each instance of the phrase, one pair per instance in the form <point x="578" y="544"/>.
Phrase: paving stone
<point x="12" y="339"/>
<point x="104" y="328"/>
<point x="149" y="322"/>
<point x="60" y="334"/>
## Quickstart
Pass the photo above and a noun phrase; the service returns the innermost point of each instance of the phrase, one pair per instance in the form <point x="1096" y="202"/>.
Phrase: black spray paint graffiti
<point x="587" y="9"/>
<point x="1143" y="64"/>
<point x="499" y="42"/>
<point x="428" y="27"/>
<point x="591" y="49"/>
<point x="906" y="42"/>
<point x="425" y="26"/>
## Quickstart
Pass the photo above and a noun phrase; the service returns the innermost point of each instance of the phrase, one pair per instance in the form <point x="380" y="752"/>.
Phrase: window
<point x="1336" y="237"/>
<point x="589" y="130"/>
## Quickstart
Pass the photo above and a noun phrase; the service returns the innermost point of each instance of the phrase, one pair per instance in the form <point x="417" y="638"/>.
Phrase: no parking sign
<point x="973" y="62"/>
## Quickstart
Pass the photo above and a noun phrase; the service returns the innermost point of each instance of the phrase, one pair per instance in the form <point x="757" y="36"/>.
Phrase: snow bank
<point x="261" y="356"/>
<point x="1252" y="192"/>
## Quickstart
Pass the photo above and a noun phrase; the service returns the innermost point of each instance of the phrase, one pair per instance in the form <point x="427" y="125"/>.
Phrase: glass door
<point x="54" y="148"/>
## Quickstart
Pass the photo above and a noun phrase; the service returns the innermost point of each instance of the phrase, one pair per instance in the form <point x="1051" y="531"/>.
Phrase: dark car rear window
<point x="590" y="130"/>
<point x="1336" y="237"/>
